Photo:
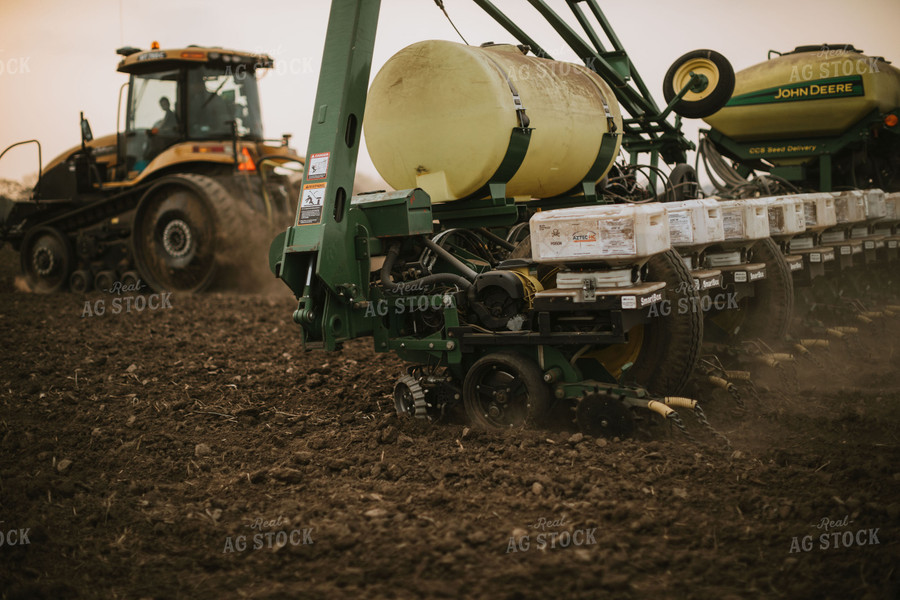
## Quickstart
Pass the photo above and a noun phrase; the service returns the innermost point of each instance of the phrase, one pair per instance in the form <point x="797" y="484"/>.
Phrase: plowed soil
<point x="195" y="451"/>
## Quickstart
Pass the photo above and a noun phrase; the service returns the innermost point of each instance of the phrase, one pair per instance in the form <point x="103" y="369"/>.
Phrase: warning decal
<point x="311" y="201"/>
<point x="616" y="236"/>
<point x="733" y="220"/>
<point x="317" y="166"/>
<point x="681" y="228"/>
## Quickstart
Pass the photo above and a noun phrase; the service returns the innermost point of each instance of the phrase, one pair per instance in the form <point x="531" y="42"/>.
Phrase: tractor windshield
<point x="217" y="96"/>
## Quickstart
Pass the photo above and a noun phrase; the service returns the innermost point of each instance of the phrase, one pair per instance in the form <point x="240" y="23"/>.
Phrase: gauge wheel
<point x="505" y="389"/>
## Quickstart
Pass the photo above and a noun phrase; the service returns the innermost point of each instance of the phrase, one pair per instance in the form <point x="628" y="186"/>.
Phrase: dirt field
<point x="194" y="451"/>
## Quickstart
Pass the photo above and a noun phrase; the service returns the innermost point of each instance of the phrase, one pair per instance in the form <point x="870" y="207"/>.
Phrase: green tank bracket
<point x="489" y="206"/>
<point x="400" y="213"/>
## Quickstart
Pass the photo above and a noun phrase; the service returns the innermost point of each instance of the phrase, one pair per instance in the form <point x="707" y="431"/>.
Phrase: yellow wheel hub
<point x="700" y="66"/>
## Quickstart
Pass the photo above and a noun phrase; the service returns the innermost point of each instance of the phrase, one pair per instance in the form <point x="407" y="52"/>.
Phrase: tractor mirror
<point x="86" y="134"/>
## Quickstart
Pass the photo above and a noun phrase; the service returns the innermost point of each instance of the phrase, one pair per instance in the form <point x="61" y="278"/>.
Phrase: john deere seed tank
<point x="822" y="116"/>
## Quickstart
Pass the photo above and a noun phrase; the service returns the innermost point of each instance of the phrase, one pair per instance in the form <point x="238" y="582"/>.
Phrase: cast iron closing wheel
<point x="505" y="389"/>
<point x="602" y="415"/>
<point x="714" y="91"/>
<point x="409" y="398"/>
<point x="47" y="259"/>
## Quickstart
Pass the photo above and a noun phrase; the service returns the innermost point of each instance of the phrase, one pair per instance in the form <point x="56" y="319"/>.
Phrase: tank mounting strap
<point x="524" y="121"/>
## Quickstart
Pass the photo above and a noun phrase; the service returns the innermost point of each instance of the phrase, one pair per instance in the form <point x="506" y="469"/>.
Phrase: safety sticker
<point x="776" y="219"/>
<point x="616" y="236"/>
<point x="680" y="228"/>
<point x="733" y="222"/>
<point x="311" y="201"/>
<point x="317" y="166"/>
<point x="811" y="212"/>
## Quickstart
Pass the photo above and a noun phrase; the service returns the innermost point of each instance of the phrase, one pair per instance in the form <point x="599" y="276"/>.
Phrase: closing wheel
<point x="710" y="94"/>
<point x="505" y="389"/>
<point x="47" y="259"/>
<point x="175" y="231"/>
<point x="766" y="315"/>
<point x="409" y="398"/>
<point x="662" y="353"/>
<point x="602" y="415"/>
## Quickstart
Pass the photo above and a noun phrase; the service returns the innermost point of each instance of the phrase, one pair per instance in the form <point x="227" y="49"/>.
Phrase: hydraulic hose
<point x="390" y="285"/>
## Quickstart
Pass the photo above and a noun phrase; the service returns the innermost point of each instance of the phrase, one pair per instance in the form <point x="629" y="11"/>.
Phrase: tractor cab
<point x="190" y="94"/>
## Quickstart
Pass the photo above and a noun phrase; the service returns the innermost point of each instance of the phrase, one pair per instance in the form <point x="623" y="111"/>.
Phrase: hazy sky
<point x="58" y="57"/>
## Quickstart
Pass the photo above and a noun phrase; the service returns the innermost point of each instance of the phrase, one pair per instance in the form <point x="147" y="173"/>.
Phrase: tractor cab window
<point x="216" y="97"/>
<point x="154" y="102"/>
<point x="154" y="119"/>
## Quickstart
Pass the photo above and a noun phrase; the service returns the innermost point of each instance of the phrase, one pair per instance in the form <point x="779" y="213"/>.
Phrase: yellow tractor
<point x="155" y="201"/>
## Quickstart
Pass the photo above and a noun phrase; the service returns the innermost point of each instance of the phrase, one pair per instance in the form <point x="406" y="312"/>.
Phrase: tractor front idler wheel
<point x="47" y="259"/>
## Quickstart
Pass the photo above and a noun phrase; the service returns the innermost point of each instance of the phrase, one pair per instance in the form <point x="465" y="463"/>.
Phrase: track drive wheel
<point x="409" y="398"/>
<point x="47" y="259"/>
<point x="505" y="389"/>
<point x="711" y="94"/>
<point x="176" y="229"/>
